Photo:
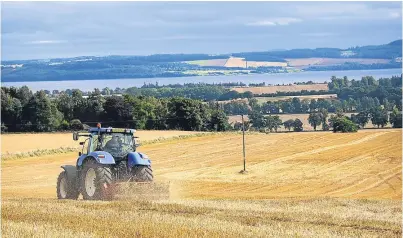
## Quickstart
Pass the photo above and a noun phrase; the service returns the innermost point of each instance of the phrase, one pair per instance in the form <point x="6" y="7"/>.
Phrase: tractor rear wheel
<point x="142" y="173"/>
<point x="64" y="188"/>
<point x="96" y="181"/>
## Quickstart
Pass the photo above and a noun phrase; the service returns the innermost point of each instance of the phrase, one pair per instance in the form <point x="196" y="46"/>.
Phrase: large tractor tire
<point x="65" y="189"/>
<point x="96" y="181"/>
<point x="142" y="173"/>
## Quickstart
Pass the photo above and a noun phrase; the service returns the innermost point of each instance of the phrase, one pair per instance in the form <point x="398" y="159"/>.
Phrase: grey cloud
<point x="320" y="34"/>
<point x="57" y="29"/>
<point x="280" y="21"/>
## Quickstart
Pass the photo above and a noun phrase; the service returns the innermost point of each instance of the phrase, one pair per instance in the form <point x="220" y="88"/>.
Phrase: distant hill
<point x="387" y="51"/>
<point x="396" y="43"/>
<point x="178" y="65"/>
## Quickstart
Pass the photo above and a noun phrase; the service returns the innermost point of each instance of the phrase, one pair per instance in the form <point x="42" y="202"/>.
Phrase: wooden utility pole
<point x="243" y="143"/>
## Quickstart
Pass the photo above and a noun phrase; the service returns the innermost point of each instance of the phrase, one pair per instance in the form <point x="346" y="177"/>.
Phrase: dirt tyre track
<point x="64" y="189"/>
<point x="96" y="182"/>
<point x="142" y="174"/>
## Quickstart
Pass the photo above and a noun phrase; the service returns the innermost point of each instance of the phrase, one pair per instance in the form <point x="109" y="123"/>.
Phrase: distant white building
<point x="347" y="53"/>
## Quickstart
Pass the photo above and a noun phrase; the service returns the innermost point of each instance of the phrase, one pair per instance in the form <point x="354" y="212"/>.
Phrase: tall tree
<point x="65" y="105"/>
<point x="298" y="125"/>
<point x="361" y="118"/>
<point x="11" y="111"/>
<point x="296" y="103"/>
<point x="379" y="116"/>
<point x="324" y="114"/>
<point x="313" y="105"/>
<point x="273" y="122"/>
<point x="257" y="120"/>
<point x="186" y="114"/>
<point x="39" y="112"/>
<point x="118" y="112"/>
<point x="396" y="118"/>
<point x="289" y="124"/>
<point x="343" y="124"/>
<point x="315" y="119"/>
<point x="79" y="104"/>
<point x="24" y="94"/>
<point x="218" y="121"/>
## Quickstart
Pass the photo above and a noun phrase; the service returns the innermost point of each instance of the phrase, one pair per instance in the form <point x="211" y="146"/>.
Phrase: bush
<point x="343" y="124"/>
<point x="3" y="128"/>
<point x="76" y="125"/>
<point x="298" y="125"/>
<point x="64" y="125"/>
<point x="396" y="119"/>
<point x="253" y="129"/>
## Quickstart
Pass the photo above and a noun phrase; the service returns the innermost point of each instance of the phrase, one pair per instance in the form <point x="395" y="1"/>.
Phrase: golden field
<point x="282" y="88"/>
<point x="17" y="143"/>
<point x="317" y="184"/>
<point x="262" y="100"/>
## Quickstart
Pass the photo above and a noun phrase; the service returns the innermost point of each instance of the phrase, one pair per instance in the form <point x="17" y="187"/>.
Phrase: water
<point x="282" y="78"/>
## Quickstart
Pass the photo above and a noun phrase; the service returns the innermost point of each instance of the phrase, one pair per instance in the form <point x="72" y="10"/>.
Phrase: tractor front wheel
<point x="96" y="182"/>
<point x="65" y="190"/>
<point x="142" y="173"/>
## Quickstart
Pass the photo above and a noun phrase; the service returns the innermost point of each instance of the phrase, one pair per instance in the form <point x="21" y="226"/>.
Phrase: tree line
<point x="22" y="110"/>
<point x="352" y="96"/>
<point x="378" y="101"/>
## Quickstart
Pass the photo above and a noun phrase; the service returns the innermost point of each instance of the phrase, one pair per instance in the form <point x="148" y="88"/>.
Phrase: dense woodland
<point x="21" y="110"/>
<point x="195" y="107"/>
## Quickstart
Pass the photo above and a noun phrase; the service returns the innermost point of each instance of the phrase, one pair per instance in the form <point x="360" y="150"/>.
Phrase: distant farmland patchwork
<point x="305" y="97"/>
<point x="306" y="62"/>
<point x="236" y="62"/>
<point x="283" y="88"/>
<point x="300" y="63"/>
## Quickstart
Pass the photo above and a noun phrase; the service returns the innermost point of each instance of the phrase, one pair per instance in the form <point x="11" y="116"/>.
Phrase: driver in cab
<point x="113" y="143"/>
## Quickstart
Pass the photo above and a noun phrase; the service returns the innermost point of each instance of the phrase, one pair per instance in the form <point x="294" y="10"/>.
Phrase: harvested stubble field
<point x="298" y="184"/>
<point x="282" y="88"/>
<point x="262" y="100"/>
<point x="23" y="143"/>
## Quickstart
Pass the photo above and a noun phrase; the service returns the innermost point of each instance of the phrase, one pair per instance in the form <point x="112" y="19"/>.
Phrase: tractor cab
<point x="116" y="141"/>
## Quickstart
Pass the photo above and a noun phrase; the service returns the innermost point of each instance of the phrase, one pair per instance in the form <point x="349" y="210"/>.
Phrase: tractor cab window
<point x="94" y="143"/>
<point x="86" y="147"/>
<point x="117" y="144"/>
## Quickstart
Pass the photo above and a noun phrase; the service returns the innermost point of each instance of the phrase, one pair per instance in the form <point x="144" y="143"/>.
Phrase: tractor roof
<point x="112" y="130"/>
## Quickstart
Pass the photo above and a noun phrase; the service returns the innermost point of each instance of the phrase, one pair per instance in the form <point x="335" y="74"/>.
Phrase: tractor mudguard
<point x="101" y="157"/>
<point x="71" y="172"/>
<point x="136" y="158"/>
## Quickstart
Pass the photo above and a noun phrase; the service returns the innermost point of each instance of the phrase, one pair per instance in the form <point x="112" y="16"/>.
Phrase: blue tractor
<point x="108" y="156"/>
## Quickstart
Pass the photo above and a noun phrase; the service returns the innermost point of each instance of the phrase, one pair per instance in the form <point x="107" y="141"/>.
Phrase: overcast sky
<point x="33" y="30"/>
